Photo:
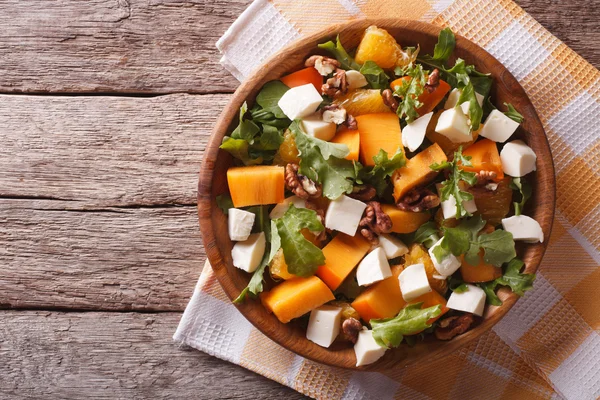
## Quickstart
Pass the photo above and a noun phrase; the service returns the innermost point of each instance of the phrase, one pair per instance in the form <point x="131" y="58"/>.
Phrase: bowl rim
<point x="206" y="201"/>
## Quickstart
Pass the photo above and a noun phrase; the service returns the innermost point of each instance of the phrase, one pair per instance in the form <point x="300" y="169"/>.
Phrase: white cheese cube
<point x="337" y="116"/>
<point x="453" y="99"/>
<point x="454" y="125"/>
<point x="413" y="134"/>
<point x="373" y="268"/>
<point x="392" y="246"/>
<point x="281" y="208"/>
<point x="314" y="126"/>
<point x="240" y="224"/>
<point x="524" y="228"/>
<point x="300" y="101"/>
<point x="366" y="349"/>
<point x="413" y="282"/>
<point x="448" y="265"/>
<point x="517" y="158"/>
<point x="355" y="79"/>
<point x="247" y="254"/>
<point x="471" y="301"/>
<point x="449" y="206"/>
<point x="324" y="325"/>
<point x="465" y="106"/>
<point x="344" y="214"/>
<point x="498" y="127"/>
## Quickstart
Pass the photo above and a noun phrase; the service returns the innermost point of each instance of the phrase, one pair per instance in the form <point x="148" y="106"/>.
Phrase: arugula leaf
<point x="271" y="138"/>
<point x="445" y="46"/>
<point x="224" y="202"/>
<point x="488" y="107"/>
<point x="323" y="162"/>
<point x="261" y="219"/>
<point x="340" y="54"/>
<point x="246" y="129"/>
<point x="375" y="75"/>
<point x="457" y="285"/>
<point x="499" y="247"/>
<point x="513" y="114"/>
<point x="264" y="117"/>
<point x="521" y="185"/>
<point x="389" y="332"/>
<point x="490" y="293"/>
<point x="384" y="167"/>
<point x="269" y="96"/>
<point x="409" y="92"/>
<point x="427" y="234"/>
<point x="238" y="148"/>
<point x="452" y="186"/>
<point x="255" y="286"/>
<point x="475" y="111"/>
<point x="301" y="256"/>
<point x="518" y="282"/>
<point x="482" y="85"/>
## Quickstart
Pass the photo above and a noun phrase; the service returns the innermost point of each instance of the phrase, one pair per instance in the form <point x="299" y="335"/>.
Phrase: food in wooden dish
<point x="380" y="195"/>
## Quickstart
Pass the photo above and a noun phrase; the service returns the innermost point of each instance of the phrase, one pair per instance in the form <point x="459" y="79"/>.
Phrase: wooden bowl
<point x="213" y="182"/>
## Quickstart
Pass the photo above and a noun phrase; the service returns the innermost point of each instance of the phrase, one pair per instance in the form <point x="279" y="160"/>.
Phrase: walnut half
<point x="418" y="199"/>
<point x="299" y="184"/>
<point x="454" y="326"/>
<point x="375" y="222"/>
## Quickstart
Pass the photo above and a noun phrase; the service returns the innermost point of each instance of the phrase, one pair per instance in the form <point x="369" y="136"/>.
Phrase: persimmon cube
<point x="256" y="185"/>
<point x="378" y="132"/>
<point x="416" y="172"/>
<point x="342" y="255"/>
<point x="381" y="300"/>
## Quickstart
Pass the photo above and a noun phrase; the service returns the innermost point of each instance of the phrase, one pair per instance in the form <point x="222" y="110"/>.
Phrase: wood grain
<point x="55" y="355"/>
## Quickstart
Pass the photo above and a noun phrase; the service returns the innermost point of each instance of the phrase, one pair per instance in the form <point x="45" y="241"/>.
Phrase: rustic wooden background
<point x="105" y="108"/>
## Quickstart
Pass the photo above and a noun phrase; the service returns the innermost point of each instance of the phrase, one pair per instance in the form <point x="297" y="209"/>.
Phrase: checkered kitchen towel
<point x="548" y="345"/>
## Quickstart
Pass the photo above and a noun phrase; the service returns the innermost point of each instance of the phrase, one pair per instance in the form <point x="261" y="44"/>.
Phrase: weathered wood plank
<point x="105" y="150"/>
<point x="55" y="355"/>
<point x="54" y="255"/>
<point x="132" y="46"/>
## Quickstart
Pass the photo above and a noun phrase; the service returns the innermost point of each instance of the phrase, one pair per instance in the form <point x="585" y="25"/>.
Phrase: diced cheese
<point x="314" y="126"/>
<point x="392" y="246"/>
<point x="414" y="133"/>
<point x="448" y="265"/>
<point x="454" y="125"/>
<point x="471" y="300"/>
<point x="337" y="116"/>
<point x="281" y="208"/>
<point x="413" y="282"/>
<point x="300" y="101"/>
<point x="355" y="79"/>
<point x="247" y="254"/>
<point x="453" y="99"/>
<point x="324" y="325"/>
<point x="449" y="206"/>
<point x="373" y="268"/>
<point x="524" y="228"/>
<point x="498" y="127"/>
<point x="240" y="224"/>
<point x="344" y="214"/>
<point x="366" y="349"/>
<point x="517" y="158"/>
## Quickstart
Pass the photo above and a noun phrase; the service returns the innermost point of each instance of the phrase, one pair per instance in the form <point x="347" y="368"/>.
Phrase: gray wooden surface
<point x="99" y="245"/>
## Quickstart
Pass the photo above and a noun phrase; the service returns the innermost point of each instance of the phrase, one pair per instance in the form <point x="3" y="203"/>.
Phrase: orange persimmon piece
<point x="382" y="300"/>
<point x="405" y="221"/>
<point x="256" y="185"/>
<point x="342" y="254"/>
<point x="303" y="77"/>
<point x="351" y="138"/>
<point x="429" y="100"/>
<point x="482" y="272"/>
<point x="295" y="297"/>
<point x="484" y="157"/>
<point x="416" y="172"/>
<point x="379" y="131"/>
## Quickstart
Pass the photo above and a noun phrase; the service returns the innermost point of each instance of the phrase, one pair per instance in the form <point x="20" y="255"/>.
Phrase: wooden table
<point x="105" y="109"/>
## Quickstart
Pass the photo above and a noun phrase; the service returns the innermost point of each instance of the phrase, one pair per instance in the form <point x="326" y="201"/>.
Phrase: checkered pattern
<point x="548" y="345"/>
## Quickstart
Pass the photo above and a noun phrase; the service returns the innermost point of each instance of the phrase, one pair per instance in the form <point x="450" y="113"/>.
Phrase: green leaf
<point x="271" y="138"/>
<point x="409" y="92"/>
<point x="238" y="148"/>
<point x="275" y="241"/>
<point x="269" y="96"/>
<point x="323" y="162"/>
<point x="456" y="240"/>
<point x="301" y="256"/>
<point x="518" y="282"/>
<point x="490" y="293"/>
<point x="482" y="85"/>
<point x="427" y="234"/>
<point x="475" y="111"/>
<point x="384" y="168"/>
<point x="375" y="75"/>
<point x="340" y="54"/>
<point x="264" y="117"/>
<point x="499" y="247"/>
<point x="445" y="45"/>
<point x="524" y="188"/>
<point x="513" y="114"/>
<point x="456" y="284"/>
<point x="246" y="129"/>
<point x="412" y="319"/>
<point x="461" y="288"/>
<point x="261" y="220"/>
<point x="224" y="202"/>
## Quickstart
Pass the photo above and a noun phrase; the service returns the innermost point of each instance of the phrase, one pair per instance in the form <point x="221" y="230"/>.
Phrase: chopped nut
<point x="484" y="177"/>
<point x="299" y="184"/>
<point x="350" y="329"/>
<point x="389" y="100"/>
<point x="375" y="222"/>
<point x="351" y="122"/>
<point x="418" y="199"/>
<point x="433" y="81"/>
<point x="324" y="65"/>
<point x="454" y="326"/>
<point x="336" y="85"/>
<point x="334" y="113"/>
<point x="363" y="192"/>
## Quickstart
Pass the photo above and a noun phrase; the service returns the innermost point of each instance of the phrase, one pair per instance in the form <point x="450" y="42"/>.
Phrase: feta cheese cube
<point x="453" y="99"/>
<point x="373" y="268"/>
<point x="355" y="79"/>
<point x="414" y="133"/>
<point x="300" y="101"/>
<point x="471" y="301"/>
<point x="498" y="127"/>
<point x="449" y="206"/>
<point x="366" y="349"/>
<point x="247" y="254"/>
<point x="240" y="224"/>
<point x="337" y="116"/>
<point x="344" y="214"/>
<point x="448" y="265"/>
<point x="517" y="158"/>
<point x="524" y="228"/>
<point x="413" y="282"/>
<point x="281" y="208"/>
<point x="392" y="246"/>
<point x="324" y="325"/>
<point x="454" y="125"/>
<point x="314" y="126"/>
